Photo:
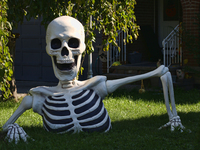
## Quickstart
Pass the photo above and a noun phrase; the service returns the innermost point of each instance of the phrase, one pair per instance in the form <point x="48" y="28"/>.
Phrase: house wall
<point x="190" y="8"/>
<point x="31" y="61"/>
<point x="145" y="15"/>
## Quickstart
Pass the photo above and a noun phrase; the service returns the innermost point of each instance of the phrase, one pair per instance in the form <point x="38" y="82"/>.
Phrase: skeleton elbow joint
<point x="27" y="102"/>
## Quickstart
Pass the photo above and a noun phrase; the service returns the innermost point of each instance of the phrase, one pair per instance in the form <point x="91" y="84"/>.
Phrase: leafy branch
<point x="6" y="62"/>
<point x="108" y="16"/>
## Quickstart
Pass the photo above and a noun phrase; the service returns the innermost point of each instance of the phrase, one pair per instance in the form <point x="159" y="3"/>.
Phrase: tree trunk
<point x="11" y="45"/>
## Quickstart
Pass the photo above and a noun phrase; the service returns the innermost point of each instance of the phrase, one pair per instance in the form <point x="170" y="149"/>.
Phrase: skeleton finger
<point x="16" y="125"/>
<point x="172" y="127"/>
<point x="11" y="135"/>
<point x="22" y="134"/>
<point x="10" y="127"/>
<point x="9" y="132"/>
<point x="16" y="135"/>
<point x="174" y="123"/>
<point x="181" y="126"/>
<point x="165" y="125"/>
<point x="26" y="135"/>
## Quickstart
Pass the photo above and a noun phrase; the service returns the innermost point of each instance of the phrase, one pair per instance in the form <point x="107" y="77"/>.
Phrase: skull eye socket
<point x="73" y="43"/>
<point x="56" y="43"/>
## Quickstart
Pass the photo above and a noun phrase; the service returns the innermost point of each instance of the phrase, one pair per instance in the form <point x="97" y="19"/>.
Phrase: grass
<point x="135" y="121"/>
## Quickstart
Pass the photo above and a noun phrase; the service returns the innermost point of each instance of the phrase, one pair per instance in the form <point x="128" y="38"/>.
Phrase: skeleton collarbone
<point x="79" y="108"/>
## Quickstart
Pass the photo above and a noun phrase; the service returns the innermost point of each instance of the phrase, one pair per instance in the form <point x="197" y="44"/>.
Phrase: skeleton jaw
<point x="65" y="71"/>
<point x="65" y="65"/>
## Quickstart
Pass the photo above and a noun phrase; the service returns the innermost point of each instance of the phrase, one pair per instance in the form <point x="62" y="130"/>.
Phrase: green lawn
<point x="135" y="121"/>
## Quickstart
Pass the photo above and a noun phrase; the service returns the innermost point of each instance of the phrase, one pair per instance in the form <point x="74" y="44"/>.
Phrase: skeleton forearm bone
<point x="174" y="119"/>
<point x="167" y="85"/>
<point x="25" y="105"/>
<point x="112" y="85"/>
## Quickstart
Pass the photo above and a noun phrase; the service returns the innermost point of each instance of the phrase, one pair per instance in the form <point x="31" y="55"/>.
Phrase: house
<point x="157" y="19"/>
<point x="160" y="37"/>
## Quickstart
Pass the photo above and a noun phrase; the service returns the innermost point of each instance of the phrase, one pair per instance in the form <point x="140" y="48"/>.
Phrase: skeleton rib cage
<point x="84" y="111"/>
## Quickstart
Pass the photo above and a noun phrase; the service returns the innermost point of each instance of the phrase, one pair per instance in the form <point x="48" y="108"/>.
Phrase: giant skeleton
<point x="75" y="105"/>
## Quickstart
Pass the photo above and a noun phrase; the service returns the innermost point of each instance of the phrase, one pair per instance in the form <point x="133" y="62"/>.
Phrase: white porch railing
<point x="113" y="53"/>
<point x="172" y="51"/>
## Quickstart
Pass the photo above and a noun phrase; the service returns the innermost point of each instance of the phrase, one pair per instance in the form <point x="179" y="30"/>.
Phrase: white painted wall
<point x="164" y="27"/>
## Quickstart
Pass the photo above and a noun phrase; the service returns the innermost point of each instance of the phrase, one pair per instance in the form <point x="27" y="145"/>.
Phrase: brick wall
<point x="189" y="10"/>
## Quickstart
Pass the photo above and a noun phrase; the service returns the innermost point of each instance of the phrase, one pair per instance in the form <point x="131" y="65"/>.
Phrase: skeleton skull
<point x="65" y="43"/>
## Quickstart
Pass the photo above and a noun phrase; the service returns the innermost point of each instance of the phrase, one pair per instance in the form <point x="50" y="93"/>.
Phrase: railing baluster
<point x="170" y="51"/>
<point x="175" y="51"/>
<point x="108" y="59"/>
<point x="178" y="48"/>
<point x="119" y="45"/>
<point x="167" y="53"/>
<point x="163" y="43"/>
<point x="180" y="53"/>
<point x="171" y="48"/>
<point x="124" y="47"/>
<point x="113" y="54"/>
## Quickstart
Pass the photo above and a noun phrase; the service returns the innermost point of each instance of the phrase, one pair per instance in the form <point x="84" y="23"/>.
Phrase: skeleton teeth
<point x="76" y="52"/>
<point x="64" y="65"/>
<point x="65" y="61"/>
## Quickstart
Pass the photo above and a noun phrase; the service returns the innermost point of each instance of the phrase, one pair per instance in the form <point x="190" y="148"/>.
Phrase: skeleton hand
<point x="15" y="133"/>
<point x="174" y="123"/>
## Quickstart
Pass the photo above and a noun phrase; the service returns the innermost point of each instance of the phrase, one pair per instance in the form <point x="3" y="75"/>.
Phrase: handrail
<point x="172" y="52"/>
<point x="113" y="53"/>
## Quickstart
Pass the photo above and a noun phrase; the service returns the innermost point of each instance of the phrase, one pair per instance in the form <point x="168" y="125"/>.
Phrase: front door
<point x="168" y="17"/>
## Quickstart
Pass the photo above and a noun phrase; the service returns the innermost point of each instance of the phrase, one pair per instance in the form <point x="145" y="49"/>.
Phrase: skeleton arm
<point x="174" y="119"/>
<point x="165" y="76"/>
<point x="112" y="85"/>
<point x="14" y="131"/>
<point x="25" y="105"/>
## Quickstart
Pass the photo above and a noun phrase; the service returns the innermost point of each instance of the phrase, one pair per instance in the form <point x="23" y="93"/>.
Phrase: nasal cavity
<point x="64" y="51"/>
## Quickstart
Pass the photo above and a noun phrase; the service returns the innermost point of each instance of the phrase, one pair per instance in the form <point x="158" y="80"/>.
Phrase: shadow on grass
<point x="189" y="120"/>
<point x="141" y="133"/>
<point x="146" y="131"/>
<point x="181" y="96"/>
